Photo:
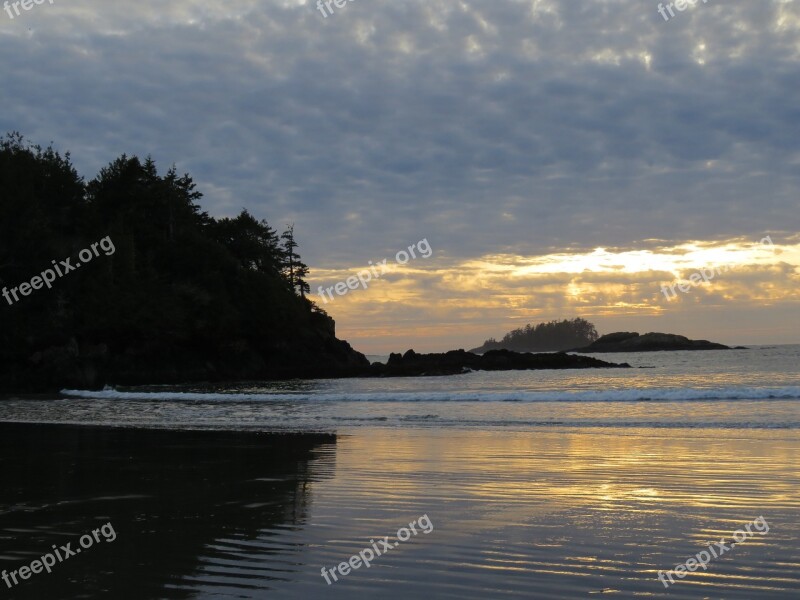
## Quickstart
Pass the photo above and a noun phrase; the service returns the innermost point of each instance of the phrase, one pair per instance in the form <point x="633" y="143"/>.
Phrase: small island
<point x="627" y="341"/>
<point x="553" y="336"/>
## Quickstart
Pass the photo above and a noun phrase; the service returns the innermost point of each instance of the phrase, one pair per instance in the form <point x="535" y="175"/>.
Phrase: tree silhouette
<point x="254" y="243"/>
<point x="183" y="295"/>
<point x="294" y="269"/>
<point x="545" y="337"/>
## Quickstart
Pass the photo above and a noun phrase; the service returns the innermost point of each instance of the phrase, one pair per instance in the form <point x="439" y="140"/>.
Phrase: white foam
<point x="613" y="395"/>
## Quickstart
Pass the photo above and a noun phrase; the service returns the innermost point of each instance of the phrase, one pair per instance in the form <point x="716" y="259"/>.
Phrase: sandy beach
<point x="545" y="514"/>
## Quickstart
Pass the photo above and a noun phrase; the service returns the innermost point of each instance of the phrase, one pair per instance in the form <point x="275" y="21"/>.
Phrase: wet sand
<point x="170" y="496"/>
<point x="540" y="513"/>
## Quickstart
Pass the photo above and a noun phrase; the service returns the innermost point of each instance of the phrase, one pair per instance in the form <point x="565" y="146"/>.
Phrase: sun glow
<point x="443" y="298"/>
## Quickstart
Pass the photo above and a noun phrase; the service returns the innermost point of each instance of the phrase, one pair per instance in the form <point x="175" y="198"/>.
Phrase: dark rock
<point x="456" y="362"/>
<point x="616" y="338"/>
<point x="71" y="364"/>
<point x="93" y="365"/>
<point x="649" y="342"/>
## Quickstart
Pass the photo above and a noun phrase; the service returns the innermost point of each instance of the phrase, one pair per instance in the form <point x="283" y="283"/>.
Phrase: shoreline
<point x="409" y="364"/>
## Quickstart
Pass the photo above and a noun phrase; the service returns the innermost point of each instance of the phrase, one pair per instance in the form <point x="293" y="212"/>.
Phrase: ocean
<point x="537" y="484"/>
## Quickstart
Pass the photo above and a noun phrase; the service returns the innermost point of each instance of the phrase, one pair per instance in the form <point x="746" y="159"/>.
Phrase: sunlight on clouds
<point x="436" y="19"/>
<point x="364" y="32"/>
<point x="404" y="43"/>
<point x="606" y="56"/>
<point x="431" y="299"/>
<point x="473" y="46"/>
<point x="545" y="10"/>
<point x="700" y="54"/>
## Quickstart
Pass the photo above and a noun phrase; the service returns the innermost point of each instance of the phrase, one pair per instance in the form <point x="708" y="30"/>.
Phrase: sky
<point x="561" y="158"/>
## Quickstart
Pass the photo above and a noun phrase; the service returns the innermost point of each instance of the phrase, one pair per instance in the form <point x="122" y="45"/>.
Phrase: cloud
<point x="449" y="303"/>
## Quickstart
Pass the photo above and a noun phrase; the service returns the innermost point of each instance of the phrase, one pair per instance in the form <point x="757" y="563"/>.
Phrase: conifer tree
<point x="294" y="269"/>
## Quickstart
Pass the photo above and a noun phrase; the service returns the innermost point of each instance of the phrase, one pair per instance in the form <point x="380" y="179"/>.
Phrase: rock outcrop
<point x="455" y="362"/>
<point x="625" y="341"/>
<point x="315" y="352"/>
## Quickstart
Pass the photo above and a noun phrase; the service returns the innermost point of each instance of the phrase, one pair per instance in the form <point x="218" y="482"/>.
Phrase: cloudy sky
<point x="561" y="157"/>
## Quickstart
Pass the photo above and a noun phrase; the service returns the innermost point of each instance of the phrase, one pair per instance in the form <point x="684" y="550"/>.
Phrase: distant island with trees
<point x="553" y="336"/>
<point x="579" y="335"/>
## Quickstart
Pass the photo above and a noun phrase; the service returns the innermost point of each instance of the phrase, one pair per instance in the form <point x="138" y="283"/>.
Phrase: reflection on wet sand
<point x="560" y="514"/>
<point x="537" y="513"/>
<point x="177" y="500"/>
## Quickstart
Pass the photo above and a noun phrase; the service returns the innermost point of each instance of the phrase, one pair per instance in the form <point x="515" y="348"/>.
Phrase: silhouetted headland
<point x="171" y="295"/>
